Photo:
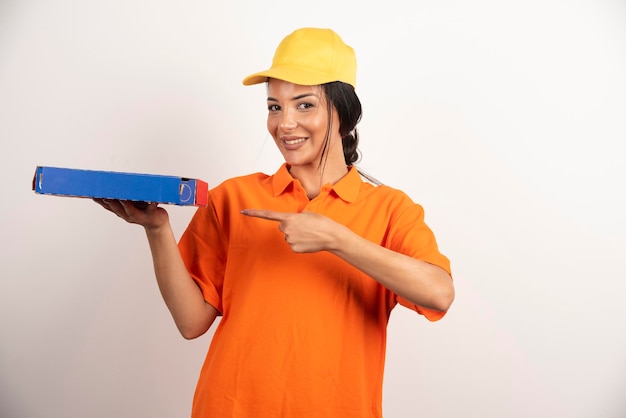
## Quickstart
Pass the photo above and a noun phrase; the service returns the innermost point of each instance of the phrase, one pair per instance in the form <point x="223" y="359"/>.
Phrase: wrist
<point x="156" y="231"/>
<point x="339" y="238"/>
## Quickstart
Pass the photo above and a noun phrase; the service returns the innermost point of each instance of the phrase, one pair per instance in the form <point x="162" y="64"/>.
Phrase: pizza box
<point x="135" y="187"/>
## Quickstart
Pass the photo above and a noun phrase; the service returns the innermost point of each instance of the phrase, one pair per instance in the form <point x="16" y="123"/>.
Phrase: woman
<point x="304" y="266"/>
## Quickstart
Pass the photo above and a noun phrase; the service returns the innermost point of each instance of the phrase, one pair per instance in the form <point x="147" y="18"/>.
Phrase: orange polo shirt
<point x="301" y="335"/>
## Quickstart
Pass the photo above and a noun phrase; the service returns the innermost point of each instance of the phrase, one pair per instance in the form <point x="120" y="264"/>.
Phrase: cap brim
<point x="300" y="76"/>
<point x="256" y="78"/>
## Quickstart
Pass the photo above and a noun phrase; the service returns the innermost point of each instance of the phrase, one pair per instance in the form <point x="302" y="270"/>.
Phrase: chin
<point x="295" y="162"/>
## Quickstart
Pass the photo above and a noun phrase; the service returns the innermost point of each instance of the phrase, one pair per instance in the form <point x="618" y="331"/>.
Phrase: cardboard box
<point x="123" y="186"/>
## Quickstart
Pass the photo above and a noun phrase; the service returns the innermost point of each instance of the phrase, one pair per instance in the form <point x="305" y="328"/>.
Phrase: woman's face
<point x="298" y="121"/>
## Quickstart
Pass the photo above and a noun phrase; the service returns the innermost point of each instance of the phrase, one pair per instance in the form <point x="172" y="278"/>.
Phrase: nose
<point x="287" y="120"/>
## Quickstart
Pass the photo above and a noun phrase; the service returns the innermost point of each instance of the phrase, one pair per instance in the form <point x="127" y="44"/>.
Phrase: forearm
<point x="419" y="282"/>
<point x="192" y="315"/>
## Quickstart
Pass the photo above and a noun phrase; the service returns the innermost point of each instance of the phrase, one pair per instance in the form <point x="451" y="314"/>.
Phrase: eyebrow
<point x="301" y="96"/>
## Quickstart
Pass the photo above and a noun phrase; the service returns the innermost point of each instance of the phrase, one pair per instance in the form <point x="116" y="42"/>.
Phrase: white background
<point x="506" y="120"/>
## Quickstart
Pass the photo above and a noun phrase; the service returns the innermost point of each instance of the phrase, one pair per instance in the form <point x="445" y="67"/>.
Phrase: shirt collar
<point x="347" y="188"/>
<point x="281" y="180"/>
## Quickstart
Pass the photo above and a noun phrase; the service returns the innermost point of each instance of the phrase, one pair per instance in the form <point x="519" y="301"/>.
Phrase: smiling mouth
<point x="294" y="141"/>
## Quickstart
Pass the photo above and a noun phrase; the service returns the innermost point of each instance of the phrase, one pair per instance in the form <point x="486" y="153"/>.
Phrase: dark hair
<point x="343" y="98"/>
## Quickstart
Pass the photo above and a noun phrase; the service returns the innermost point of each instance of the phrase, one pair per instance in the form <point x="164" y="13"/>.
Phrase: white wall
<point x="504" y="119"/>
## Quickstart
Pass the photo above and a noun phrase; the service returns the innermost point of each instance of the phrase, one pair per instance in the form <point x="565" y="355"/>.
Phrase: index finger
<point x="270" y="215"/>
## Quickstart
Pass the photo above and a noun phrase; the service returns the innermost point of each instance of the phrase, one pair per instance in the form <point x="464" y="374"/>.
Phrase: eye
<point x="305" y="105"/>
<point x="273" y="108"/>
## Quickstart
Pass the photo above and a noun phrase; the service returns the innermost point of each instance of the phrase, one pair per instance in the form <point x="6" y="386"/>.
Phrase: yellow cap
<point x="310" y="56"/>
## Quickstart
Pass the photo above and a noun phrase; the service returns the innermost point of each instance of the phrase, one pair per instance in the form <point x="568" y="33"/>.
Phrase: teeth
<point x="295" y="141"/>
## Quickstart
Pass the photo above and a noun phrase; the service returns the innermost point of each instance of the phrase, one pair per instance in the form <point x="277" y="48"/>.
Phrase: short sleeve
<point x="204" y="251"/>
<point x="410" y="235"/>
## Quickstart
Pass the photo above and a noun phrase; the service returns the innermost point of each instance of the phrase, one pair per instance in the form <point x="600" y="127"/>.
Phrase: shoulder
<point x="230" y="196"/>
<point x="384" y="193"/>
<point x="236" y="193"/>
<point x="392" y="203"/>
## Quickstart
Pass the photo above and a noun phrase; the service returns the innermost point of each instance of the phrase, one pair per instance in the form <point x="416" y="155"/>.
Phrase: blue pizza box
<point x="136" y="187"/>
